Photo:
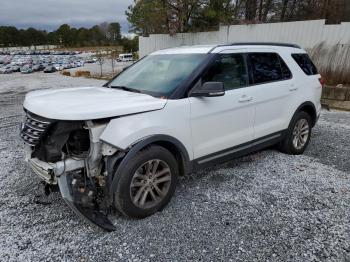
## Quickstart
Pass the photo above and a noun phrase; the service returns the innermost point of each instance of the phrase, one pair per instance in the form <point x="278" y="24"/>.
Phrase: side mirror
<point x="209" y="89"/>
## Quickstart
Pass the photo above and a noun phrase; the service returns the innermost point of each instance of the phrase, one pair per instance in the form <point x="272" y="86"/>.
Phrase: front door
<point x="220" y="123"/>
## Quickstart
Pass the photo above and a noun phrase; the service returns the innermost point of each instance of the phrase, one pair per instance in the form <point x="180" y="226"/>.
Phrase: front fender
<point x="172" y="121"/>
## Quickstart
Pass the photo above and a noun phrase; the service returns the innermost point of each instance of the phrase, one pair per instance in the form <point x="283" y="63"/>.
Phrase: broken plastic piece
<point x="89" y="214"/>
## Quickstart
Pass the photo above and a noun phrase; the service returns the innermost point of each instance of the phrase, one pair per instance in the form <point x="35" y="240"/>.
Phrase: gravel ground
<point x="265" y="206"/>
<point x="14" y="86"/>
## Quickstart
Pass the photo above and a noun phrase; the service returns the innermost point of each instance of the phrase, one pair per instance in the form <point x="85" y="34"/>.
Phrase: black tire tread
<point x="121" y="202"/>
<point x="286" y="145"/>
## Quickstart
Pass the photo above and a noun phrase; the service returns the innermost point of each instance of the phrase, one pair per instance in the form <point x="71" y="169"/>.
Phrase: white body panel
<point x="221" y="122"/>
<point x="173" y="120"/>
<point x="274" y="102"/>
<point x="277" y="102"/>
<point x="88" y="103"/>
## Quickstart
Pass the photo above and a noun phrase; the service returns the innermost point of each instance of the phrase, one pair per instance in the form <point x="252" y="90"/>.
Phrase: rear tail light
<point x="322" y="81"/>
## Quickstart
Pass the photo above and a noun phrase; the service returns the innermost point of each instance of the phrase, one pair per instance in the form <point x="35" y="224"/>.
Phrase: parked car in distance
<point x="58" y="67"/>
<point x="6" y="70"/>
<point x="174" y="112"/>
<point x="38" y="60"/>
<point x="26" y="69"/>
<point x="15" y="68"/>
<point x="50" y="69"/>
<point x="36" y="68"/>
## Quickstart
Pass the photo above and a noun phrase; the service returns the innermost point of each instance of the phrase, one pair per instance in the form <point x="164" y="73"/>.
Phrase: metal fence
<point x="304" y="33"/>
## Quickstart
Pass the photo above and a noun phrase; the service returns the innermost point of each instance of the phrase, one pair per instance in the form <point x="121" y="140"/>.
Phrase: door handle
<point x="245" y="98"/>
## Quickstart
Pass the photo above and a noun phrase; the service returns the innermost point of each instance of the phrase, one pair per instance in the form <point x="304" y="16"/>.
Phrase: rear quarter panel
<point x="309" y="87"/>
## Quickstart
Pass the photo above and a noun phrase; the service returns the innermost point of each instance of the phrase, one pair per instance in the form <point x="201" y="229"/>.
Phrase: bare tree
<point x="292" y="10"/>
<point x="250" y="9"/>
<point x="346" y="17"/>
<point x="267" y="9"/>
<point x="260" y="9"/>
<point x="335" y="11"/>
<point x="104" y="28"/>
<point x="284" y="9"/>
<point x="100" y="60"/>
<point x="113" y="55"/>
<point x="325" y="8"/>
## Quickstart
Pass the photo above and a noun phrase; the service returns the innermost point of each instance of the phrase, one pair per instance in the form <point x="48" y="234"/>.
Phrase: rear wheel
<point x="147" y="183"/>
<point x="298" y="134"/>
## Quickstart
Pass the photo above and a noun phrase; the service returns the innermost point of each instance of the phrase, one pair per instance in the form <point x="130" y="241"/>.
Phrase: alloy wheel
<point x="301" y="134"/>
<point x="150" y="183"/>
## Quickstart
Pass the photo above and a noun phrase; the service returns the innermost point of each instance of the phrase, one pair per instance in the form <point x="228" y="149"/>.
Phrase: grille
<point x="33" y="128"/>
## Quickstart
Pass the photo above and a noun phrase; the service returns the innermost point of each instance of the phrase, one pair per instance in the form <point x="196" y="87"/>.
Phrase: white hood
<point x="88" y="103"/>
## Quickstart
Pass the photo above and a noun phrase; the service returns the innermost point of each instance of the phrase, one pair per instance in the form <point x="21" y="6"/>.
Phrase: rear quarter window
<point x="305" y="63"/>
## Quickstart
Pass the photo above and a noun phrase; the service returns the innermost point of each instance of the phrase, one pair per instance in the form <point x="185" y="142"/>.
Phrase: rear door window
<point x="268" y="67"/>
<point x="265" y="67"/>
<point x="305" y="63"/>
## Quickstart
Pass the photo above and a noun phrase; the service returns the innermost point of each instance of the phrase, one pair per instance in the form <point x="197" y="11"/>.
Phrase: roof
<point x="196" y="49"/>
<point x="204" y="49"/>
<point x="263" y="44"/>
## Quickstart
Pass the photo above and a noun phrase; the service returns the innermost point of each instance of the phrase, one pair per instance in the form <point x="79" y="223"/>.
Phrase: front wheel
<point x="298" y="135"/>
<point x="147" y="183"/>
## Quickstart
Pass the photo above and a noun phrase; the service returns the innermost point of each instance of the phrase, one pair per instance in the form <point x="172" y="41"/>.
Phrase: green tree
<point x="130" y="45"/>
<point x="52" y="38"/>
<point x="9" y="36"/>
<point x="31" y="36"/>
<point x="211" y="15"/>
<point x="97" y="36"/>
<point x="176" y="16"/>
<point x="63" y="35"/>
<point x="83" y="37"/>
<point x="113" y="30"/>
<point x="148" y="17"/>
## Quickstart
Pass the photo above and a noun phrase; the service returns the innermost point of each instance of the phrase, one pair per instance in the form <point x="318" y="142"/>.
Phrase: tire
<point x="290" y="144"/>
<point x="139" y="176"/>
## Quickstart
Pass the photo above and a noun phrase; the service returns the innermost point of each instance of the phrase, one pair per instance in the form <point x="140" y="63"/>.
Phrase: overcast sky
<point x="49" y="14"/>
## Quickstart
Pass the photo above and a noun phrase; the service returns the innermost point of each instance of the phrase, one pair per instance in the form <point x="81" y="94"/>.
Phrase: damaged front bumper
<point x="61" y="173"/>
<point x="93" y="216"/>
<point x="50" y="171"/>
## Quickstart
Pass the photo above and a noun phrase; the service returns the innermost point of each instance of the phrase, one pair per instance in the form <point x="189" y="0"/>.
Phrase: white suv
<point x="122" y="146"/>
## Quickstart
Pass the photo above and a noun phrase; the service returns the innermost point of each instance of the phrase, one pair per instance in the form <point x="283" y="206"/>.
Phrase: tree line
<point x="177" y="16"/>
<point x="104" y="34"/>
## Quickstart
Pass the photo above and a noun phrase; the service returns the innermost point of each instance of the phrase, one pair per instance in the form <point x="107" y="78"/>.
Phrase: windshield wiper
<point x="125" y="88"/>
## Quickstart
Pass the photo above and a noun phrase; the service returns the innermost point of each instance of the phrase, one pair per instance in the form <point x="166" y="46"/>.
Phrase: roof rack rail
<point x="261" y="43"/>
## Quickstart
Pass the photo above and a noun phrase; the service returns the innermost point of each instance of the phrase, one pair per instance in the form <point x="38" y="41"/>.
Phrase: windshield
<point x="158" y="75"/>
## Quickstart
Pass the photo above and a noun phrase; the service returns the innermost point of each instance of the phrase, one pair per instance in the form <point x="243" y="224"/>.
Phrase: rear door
<point x="273" y="87"/>
<point x="220" y="123"/>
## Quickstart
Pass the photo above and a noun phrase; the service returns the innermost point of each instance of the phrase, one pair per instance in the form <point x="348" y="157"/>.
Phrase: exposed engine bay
<point x="69" y="154"/>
